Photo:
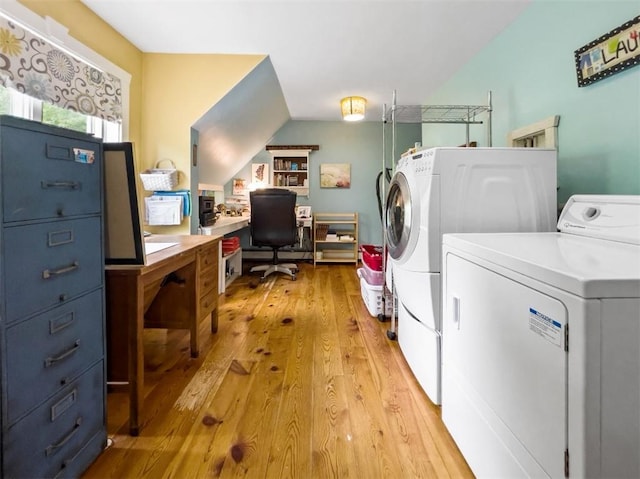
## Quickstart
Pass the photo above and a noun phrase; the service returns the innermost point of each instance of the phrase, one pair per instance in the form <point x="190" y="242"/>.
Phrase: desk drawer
<point x="208" y="302"/>
<point x="48" y="351"/>
<point x="40" y="444"/>
<point x="208" y="280"/>
<point x="49" y="263"/>
<point x="208" y="257"/>
<point x="208" y="267"/>
<point x="49" y="176"/>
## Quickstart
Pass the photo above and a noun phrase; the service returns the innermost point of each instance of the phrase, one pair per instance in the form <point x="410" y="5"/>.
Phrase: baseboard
<point x="253" y="255"/>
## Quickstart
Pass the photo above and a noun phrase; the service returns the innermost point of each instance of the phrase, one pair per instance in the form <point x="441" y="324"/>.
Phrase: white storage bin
<point x="372" y="297"/>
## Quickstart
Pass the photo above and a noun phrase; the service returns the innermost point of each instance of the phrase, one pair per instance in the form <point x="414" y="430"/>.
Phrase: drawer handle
<point x="52" y="447"/>
<point x="51" y="361"/>
<point x="66" y="185"/>
<point x="47" y="273"/>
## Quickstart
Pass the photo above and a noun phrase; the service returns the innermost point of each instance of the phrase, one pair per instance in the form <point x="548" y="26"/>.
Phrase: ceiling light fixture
<point x="352" y="108"/>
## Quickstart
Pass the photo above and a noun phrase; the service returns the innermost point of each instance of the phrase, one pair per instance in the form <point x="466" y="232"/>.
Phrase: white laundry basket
<point x="372" y="296"/>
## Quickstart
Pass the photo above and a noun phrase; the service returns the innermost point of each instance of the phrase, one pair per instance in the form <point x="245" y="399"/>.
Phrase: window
<point x="15" y="103"/>
<point x="4" y="101"/>
<point x="47" y="29"/>
<point x="543" y="134"/>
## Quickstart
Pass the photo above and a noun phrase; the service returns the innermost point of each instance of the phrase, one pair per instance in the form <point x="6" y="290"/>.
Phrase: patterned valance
<point x="37" y="68"/>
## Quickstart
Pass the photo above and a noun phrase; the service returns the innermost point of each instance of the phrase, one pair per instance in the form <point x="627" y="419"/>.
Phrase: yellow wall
<point x="178" y="90"/>
<point x="168" y="93"/>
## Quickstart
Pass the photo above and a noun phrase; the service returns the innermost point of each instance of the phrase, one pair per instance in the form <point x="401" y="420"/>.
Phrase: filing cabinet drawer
<point x="49" y="176"/>
<point x="41" y="443"/>
<point x="49" y="263"/>
<point x="75" y="467"/>
<point x="46" y="352"/>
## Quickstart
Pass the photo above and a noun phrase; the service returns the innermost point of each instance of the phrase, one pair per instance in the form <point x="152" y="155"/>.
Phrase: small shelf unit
<point x="230" y="269"/>
<point x="442" y="114"/>
<point x="290" y="167"/>
<point x="335" y="238"/>
<point x="292" y="173"/>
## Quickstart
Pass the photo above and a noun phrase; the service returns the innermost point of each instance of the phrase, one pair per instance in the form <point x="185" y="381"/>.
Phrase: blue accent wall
<point x="360" y="145"/>
<point x="530" y="70"/>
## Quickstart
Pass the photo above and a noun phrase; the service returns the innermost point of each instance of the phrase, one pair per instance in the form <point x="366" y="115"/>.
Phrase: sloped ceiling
<point x="323" y="50"/>
<point x="236" y="128"/>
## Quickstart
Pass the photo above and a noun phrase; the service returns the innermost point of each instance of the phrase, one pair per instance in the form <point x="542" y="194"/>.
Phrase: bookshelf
<point x="290" y="169"/>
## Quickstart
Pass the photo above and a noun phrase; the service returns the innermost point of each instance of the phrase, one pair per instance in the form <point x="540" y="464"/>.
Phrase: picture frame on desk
<point x="123" y="226"/>
<point x="303" y="211"/>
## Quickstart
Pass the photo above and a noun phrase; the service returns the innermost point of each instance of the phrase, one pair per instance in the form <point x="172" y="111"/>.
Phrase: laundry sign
<point x="610" y="54"/>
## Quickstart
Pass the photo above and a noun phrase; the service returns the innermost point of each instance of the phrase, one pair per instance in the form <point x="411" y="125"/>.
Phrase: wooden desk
<point x="176" y="288"/>
<point x="226" y="225"/>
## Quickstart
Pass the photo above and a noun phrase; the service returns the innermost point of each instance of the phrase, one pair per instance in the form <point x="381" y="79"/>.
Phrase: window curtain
<point x="37" y="68"/>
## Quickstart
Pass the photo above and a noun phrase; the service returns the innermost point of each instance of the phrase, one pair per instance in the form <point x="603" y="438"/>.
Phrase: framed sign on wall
<point x="610" y="54"/>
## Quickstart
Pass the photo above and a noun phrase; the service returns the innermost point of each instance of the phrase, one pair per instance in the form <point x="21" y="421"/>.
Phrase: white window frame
<point x="24" y="106"/>
<point x="58" y="34"/>
<point x="107" y="130"/>
<point x="542" y="134"/>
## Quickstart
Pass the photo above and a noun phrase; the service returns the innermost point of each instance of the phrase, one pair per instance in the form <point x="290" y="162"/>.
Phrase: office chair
<point x="274" y="224"/>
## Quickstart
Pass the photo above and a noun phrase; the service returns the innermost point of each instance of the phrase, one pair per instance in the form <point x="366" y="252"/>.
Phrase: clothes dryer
<point x="445" y="190"/>
<point x="541" y="354"/>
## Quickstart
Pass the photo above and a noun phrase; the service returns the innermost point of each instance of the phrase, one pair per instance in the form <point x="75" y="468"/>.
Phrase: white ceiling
<point x="324" y="50"/>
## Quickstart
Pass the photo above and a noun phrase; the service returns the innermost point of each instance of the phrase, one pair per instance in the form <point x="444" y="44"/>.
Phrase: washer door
<point x="402" y="226"/>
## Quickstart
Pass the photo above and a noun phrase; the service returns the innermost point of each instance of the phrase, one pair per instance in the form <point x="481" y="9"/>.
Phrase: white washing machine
<point x="541" y="354"/>
<point x="446" y="190"/>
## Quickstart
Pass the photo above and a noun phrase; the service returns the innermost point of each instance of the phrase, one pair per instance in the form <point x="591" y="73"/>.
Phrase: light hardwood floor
<point x="299" y="382"/>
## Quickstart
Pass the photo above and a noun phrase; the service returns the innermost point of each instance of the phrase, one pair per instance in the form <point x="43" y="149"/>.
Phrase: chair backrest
<point x="273" y="217"/>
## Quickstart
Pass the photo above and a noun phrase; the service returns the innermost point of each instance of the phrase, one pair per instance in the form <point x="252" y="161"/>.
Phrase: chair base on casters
<point x="286" y="268"/>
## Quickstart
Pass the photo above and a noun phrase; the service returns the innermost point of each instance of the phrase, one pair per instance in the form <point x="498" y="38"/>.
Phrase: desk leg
<point x="136" y="357"/>
<point x="193" y="340"/>
<point x="214" y="321"/>
<point x="125" y="358"/>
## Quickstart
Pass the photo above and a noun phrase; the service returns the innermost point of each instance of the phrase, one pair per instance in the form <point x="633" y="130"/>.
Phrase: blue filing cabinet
<point x="52" y="319"/>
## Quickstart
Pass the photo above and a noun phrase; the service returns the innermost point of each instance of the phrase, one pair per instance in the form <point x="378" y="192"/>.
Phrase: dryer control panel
<point x="420" y="163"/>
<point x="611" y="217"/>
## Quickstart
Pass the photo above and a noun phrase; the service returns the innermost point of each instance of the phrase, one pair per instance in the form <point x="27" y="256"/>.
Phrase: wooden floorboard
<point x="299" y="382"/>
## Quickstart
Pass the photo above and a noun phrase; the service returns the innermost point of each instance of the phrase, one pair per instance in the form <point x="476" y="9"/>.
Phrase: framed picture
<point x="260" y="174"/>
<point x="239" y="186"/>
<point x="335" y="175"/>
<point x="123" y="226"/>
